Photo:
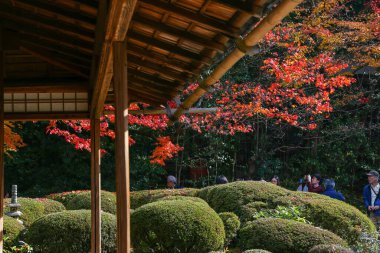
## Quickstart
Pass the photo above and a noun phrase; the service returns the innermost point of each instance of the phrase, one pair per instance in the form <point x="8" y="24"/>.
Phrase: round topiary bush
<point x="231" y="226"/>
<point x="233" y="196"/>
<point x="139" y="198"/>
<point x="176" y="226"/>
<point x="52" y="206"/>
<point x="284" y="236"/>
<point x="249" y="210"/>
<point x="12" y="228"/>
<point x="326" y="248"/>
<point x="31" y="209"/>
<point x="83" y="201"/>
<point x="70" y="231"/>
<point x="65" y="197"/>
<point x="256" y="251"/>
<point x="334" y="215"/>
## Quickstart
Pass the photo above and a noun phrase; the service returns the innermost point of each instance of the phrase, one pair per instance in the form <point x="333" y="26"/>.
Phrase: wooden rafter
<point x="197" y="18"/>
<point x="153" y="78"/>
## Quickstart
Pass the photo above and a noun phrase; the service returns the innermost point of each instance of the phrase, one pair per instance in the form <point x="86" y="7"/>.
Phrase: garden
<point x="245" y="216"/>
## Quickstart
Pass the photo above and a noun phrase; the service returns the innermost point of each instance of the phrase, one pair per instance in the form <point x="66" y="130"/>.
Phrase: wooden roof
<point x="59" y="46"/>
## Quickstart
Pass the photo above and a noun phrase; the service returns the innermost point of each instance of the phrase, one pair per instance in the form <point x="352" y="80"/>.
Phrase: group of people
<point x="315" y="184"/>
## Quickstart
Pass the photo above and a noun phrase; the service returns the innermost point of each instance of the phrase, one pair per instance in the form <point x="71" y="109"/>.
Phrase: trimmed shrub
<point x="139" y="198"/>
<point x="52" y="206"/>
<point x="83" y="201"/>
<point x="70" y="231"/>
<point x="325" y="248"/>
<point x="176" y="226"/>
<point x="249" y="211"/>
<point x="231" y="226"/>
<point x="284" y="236"/>
<point x="256" y="251"/>
<point x="334" y="215"/>
<point x="233" y="196"/>
<point x="12" y="228"/>
<point x="194" y="199"/>
<point x="31" y="209"/>
<point x="65" y="197"/>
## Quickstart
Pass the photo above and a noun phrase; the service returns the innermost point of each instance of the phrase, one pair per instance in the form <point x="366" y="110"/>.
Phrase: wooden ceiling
<point x="56" y="45"/>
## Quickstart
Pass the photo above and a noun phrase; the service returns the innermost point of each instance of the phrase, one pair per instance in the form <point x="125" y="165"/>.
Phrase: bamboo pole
<point x="243" y="46"/>
<point x="164" y="111"/>
<point x="95" y="186"/>
<point x="122" y="147"/>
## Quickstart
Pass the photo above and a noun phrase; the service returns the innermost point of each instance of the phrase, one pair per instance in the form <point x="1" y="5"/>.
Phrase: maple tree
<point x="12" y="140"/>
<point x="302" y="62"/>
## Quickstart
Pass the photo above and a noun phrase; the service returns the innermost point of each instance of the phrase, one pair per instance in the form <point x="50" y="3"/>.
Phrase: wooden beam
<point x="142" y="87"/>
<point x="117" y="23"/>
<point x="182" y="34"/>
<point x="159" y="111"/>
<point x="95" y="186"/>
<point x="50" y="34"/>
<point x="152" y="78"/>
<point x="48" y="6"/>
<point x="151" y="55"/>
<point x="46" y="116"/>
<point x="122" y="148"/>
<point x="249" y="7"/>
<point x="161" y="70"/>
<point x="44" y="86"/>
<point x="10" y="12"/>
<point x="1" y="140"/>
<point x="54" y="59"/>
<point x="174" y="49"/>
<point x="197" y="18"/>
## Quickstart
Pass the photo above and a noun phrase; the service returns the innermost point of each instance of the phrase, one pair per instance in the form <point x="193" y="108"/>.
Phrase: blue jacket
<point x="330" y="191"/>
<point x="367" y="199"/>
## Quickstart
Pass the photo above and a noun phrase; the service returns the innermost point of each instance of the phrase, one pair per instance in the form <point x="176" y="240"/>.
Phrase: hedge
<point x="231" y="226"/>
<point x="51" y="206"/>
<point x="233" y="196"/>
<point x="284" y="236"/>
<point x="12" y="228"/>
<point x="83" y="201"/>
<point x="65" y="197"/>
<point x="31" y="209"/>
<point x="249" y="210"/>
<point x="176" y="226"/>
<point x="334" y="215"/>
<point x="70" y="231"/>
<point x="326" y="248"/>
<point x="139" y="198"/>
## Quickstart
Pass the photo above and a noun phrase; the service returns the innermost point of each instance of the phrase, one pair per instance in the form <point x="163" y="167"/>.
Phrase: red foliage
<point x="165" y="150"/>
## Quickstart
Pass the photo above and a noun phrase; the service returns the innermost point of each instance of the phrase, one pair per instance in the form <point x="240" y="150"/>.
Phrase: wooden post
<point x="95" y="186"/>
<point x="1" y="140"/>
<point x="121" y="146"/>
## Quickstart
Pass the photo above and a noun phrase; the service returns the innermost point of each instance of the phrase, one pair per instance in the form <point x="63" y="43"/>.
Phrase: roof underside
<point x="53" y="46"/>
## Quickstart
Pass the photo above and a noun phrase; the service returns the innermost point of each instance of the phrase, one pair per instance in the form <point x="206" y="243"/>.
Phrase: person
<point x="330" y="190"/>
<point x="314" y="184"/>
<point x="302" y="184"/>
<point x="221" y="180"/>
<point x="171" y="182"/>
<point x="275" y="180"/>
<point x="371" y="197"/>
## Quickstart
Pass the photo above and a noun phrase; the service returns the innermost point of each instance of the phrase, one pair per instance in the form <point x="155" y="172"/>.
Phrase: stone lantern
<point x="14" y="206"/>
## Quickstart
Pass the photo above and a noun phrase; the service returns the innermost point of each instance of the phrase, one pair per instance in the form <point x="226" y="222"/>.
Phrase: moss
<point x="70" y="231"/>
<point x="334" y="215"/>
<point x="284" y="236"/>
<point x="83" y="201"/>
<point x="326" y="248"/>
<point x="233" y="196"/>
<point x="176" y="226"/>
<point x="231" y="226"/>
<point x="256" y="251"/>
<point x="31" y="209"/>
<point x="139" y="198"/>
<point x="12" y="228"/>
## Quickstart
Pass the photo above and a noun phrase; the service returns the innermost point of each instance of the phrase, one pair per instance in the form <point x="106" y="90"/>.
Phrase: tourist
<point x="371" y="197"/>
<point x="330" y="190"/>
<point x="302" y="184"/>
<point x="221" y="180"/>
<point x="171" y="182"/>
<point x="314" y="184"/>
<point x="275" y="180"/>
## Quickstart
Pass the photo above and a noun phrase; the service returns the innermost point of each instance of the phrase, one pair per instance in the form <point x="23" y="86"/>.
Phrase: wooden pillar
<point x="121" y="146"/>
<point x="1" y="140"/>
<point x="95" y="186"/>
